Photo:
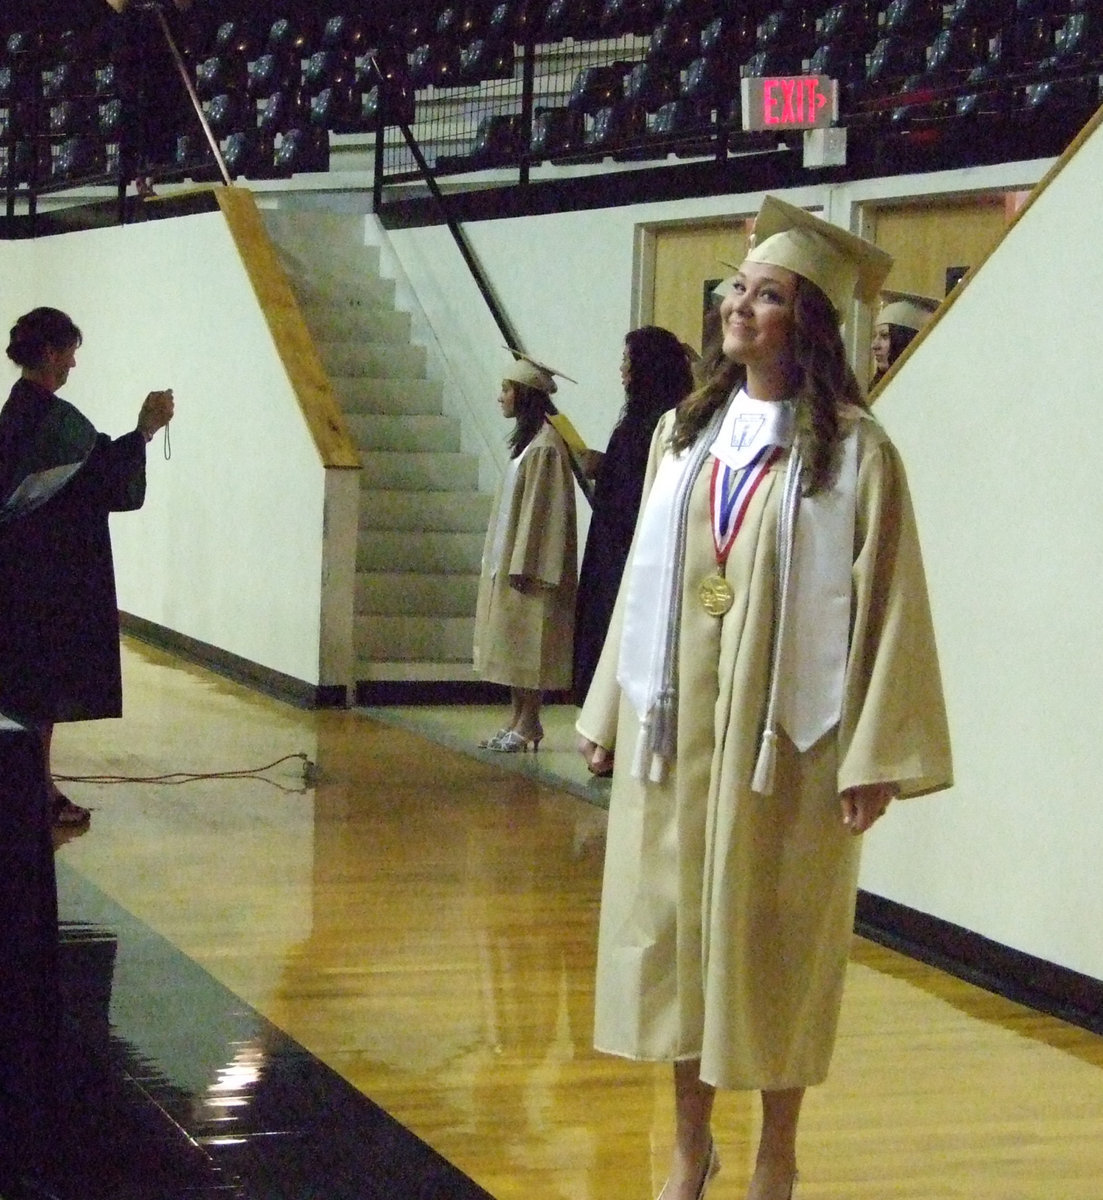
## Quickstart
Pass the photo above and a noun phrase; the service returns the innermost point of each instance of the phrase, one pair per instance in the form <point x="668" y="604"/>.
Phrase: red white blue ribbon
<point x="730" y="496"/>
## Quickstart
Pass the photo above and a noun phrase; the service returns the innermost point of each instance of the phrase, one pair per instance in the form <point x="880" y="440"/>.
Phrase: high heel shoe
<point x="712" y="1166"/>
<point x="509" y="741"/>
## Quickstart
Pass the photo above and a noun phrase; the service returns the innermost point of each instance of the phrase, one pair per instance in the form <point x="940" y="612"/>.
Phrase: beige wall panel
<point x="995" y="410"/>
<point x="684" y="259"/>
<point x="927" y="237"/>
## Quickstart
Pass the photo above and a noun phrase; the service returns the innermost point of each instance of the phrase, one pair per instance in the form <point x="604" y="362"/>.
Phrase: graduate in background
<point x="524" y="621"/>
<point x="770" y="684"/>
<point x="902" y="316"/>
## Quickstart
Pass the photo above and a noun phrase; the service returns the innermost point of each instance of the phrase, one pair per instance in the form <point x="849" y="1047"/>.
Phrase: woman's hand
<point x="528" y="586"/>
<point x="863" y="805"/>
<point x="599" y="761"/>
<point x="156" y="412"/>
<point x="590" y="461"/>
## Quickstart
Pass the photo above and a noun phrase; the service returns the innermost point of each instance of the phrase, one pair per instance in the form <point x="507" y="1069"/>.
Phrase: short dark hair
<point x="40" y="330"/>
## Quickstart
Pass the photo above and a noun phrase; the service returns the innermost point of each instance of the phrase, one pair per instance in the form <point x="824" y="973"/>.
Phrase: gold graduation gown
<point x="524" y="639"/>
<point x="726" y="916"/>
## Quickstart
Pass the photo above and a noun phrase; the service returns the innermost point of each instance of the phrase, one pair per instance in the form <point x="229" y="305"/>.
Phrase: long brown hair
<point x="824" y="382"/>
<point x="530" y="407"/>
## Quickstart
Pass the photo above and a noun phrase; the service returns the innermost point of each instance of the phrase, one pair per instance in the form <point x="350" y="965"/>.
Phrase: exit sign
<point x="782" y="102"/>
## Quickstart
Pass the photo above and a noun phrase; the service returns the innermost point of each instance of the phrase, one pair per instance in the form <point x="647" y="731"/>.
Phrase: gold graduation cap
<point x="533" y="374"/>
<point x="907" y="309"/>
<point x="540" y="376"/>
<point x="841" y="264"/>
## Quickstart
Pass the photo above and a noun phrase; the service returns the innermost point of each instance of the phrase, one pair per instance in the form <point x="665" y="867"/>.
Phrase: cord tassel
<point x="643" y="751"/>
<point x="763" y="781"/>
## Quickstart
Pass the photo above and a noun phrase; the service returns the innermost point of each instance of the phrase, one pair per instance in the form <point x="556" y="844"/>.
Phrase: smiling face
<point x="56" y="365"/>
<point x="757" y="316"/>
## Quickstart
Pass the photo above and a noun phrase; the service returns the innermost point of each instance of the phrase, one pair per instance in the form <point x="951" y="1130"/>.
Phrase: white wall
<point x="228" y="547"/>
<point x="999" y="419"/>
<point x="998" y="416"/>
<point x="569" y="282"/>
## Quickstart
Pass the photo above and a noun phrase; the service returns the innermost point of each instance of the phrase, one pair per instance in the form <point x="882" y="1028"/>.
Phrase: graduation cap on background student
<point x="841" y="264"/>
<point x="907" y="309"/>
<point x="533" y="374"/>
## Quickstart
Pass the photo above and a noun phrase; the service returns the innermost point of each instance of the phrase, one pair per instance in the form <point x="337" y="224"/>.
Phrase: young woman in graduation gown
<point x="769" y="684"/>
<point x="524" y="620"/>
<point x="902" y="316"/>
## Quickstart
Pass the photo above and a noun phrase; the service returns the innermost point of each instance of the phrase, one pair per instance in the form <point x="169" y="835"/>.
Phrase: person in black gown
<point x="656" y="373"/>
<point x="59" y="480"/>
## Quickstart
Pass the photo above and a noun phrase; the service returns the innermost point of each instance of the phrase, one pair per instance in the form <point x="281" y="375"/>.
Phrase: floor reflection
<point x="173" y="1089"/>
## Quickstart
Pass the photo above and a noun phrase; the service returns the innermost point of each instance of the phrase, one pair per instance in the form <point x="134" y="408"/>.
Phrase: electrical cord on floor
<point x="309" y="770"/>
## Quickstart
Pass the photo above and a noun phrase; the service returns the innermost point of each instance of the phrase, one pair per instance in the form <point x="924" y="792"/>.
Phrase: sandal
<point x="65" y="812"/>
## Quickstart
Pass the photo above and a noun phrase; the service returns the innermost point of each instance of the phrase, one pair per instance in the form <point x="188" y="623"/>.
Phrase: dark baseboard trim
<point x="385" y="693"/>
<point x="232" y="666"/>
<point x="1013" y="974"/>
<point x="403" y="693"/>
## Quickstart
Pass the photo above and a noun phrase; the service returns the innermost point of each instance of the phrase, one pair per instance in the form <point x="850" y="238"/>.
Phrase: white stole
<point x="493" y="559"/>
<point x="807" y="686"/>
<point x="812" y="661"/>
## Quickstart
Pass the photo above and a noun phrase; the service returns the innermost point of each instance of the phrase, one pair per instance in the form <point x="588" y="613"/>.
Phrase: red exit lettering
<point x="791" y="101"/>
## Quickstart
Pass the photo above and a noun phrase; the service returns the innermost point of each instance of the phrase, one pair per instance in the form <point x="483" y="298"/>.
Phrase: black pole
<point x="511" y="339"/>
<point x="182" y="67"/>
<point x="528" y="78"/>
<point x="469" y="258"/>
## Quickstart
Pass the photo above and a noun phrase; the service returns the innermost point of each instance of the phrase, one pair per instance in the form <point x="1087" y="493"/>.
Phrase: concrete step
<point x="373" y="431"/>
<point x="426" y="511"/>
<point x="395" y="397"/>
<point x="312" y="286"/>
<point x="334" y="321"/>
<point x="410" y="593"/>
<point x="319" y="232"/>
<point x="428" y="472"/>
<point x="413" y="550"/>
<point x="398" y="639"/>
<point x="352" y="359"/>
<point x="330" y="242"/>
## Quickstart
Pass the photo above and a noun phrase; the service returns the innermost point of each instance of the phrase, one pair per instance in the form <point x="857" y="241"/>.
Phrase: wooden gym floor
<point x="378" y="982"/>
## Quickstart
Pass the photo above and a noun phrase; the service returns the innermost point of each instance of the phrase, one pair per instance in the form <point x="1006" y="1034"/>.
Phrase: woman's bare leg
<point x="62" y="810"/>
<point x="46" y="737"/>
<point x="526" y="711"/>
<point x="692" y="1132"/>
<point x="776" y="1162"/>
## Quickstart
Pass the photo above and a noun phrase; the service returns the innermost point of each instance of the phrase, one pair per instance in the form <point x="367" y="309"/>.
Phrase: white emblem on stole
<point x="745" y="428"/>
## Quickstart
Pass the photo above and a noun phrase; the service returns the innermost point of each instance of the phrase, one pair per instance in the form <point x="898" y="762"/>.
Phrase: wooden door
<point x="928" y="238"/>
<point x="689" y="261"/>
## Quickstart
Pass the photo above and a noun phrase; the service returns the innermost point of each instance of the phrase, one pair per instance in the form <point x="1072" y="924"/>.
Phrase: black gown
<point x="59" y="618"/>
<point x="612" y="523"/>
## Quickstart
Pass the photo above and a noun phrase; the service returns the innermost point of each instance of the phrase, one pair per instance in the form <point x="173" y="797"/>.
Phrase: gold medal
<point x="716" y="595"/>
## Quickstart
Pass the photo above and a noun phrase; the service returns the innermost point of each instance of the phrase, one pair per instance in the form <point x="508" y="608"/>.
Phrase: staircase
<point x="422" y="517"/>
